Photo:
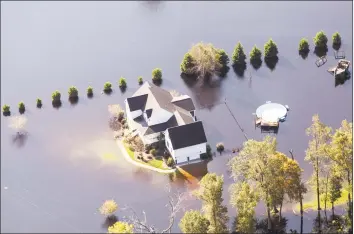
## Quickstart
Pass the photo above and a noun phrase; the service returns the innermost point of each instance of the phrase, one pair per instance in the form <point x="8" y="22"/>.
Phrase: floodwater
<point x="69" y="164"/>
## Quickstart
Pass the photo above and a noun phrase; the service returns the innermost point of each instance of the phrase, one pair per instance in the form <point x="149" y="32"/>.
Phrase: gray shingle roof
<point x="186" y="104"/>
<point x="187" y="135"/>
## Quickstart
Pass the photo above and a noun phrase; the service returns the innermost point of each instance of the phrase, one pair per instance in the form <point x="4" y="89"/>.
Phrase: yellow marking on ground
<point x="190" y="178"/>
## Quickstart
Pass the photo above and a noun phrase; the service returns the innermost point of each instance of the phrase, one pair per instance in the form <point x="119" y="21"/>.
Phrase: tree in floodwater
<point x="203" y="61"/>
<point x="193" y="221"/>
<point x="121" y="227"/>
<point x="315" y="153"/>
<point x="252" y="165"/>
<point x="341" y="152"/>
<point x="18" y="123"/>
<point x="210" y="193"/>
<point x="245" y="200"/>
<point x="108" y="208"/>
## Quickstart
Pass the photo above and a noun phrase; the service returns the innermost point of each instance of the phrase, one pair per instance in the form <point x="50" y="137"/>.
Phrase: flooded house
<point x="154" y="114"/>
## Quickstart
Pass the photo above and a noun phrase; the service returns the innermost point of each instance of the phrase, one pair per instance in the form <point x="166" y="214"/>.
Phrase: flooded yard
<point x="69" y="164"/>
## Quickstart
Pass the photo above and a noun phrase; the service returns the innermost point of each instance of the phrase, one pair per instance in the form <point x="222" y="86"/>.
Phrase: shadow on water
<point x="256" y="63"/>
<point x="56" y="104"/>
<point x="271" y="62"/>
<point x="336" y="46"/>
<point x="20" y="139"/>
<point x="340" y="80"/>
<point x="240" y="70"/>
<point x="304" y="54"/>
<point x="320" y="51"/>
<point x="73" y="100"/>
<point x="109" y="221"/>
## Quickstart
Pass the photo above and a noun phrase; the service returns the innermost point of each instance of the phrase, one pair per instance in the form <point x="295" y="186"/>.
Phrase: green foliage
<point x="320" y="40"/>
<point x="122" y="83"/>
<point x="39" y="102"/>
<point x="140" y="80"/>
<point x="107" y="87"/>
<point x="304" y="45"/>
<point x="223" y="57"/>
<point x="21" y="106"/>
<point x="270" y="49"/>
<point x="245" y="200"/>
<point x="239" y="56"/>
<point x="336" y="38"/>
<point x="89" y="91"/>
<point x="157" y="75"/>
<point x="153" y="152"/>
<point x="194" y="222"/>
<point x="170" y="162"/>
<point x="121" y="227"/>
<point x="210" y="193"/>
<point x="187" y="64"/>
<point x="5" y="109"/>
<point x="255" y="54"/>
<point x="73" y="92"/>
<point x="220" y="147"/>
<point x="108" y="207"/>
<point x="56" y="96"/>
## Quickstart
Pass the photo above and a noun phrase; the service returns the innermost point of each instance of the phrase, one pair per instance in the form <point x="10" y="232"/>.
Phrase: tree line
<point x="263" y="174"/>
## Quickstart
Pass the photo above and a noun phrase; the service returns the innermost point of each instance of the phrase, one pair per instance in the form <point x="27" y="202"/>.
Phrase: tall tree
<point x="210" y="193"/>
<point x="252" y="165"/>
<point x="244" y="199"/>
<point x="315" y="153"/>
<point x="341" y="152"/>
<point x="121" y="227"/>
<point x="194" y="222"/>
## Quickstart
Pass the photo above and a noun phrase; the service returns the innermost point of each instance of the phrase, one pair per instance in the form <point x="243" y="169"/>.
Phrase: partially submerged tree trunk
<point x="326" y="195"/>
<point x="301" y="214"/>
<point x="349" y="201"/>
<point x="318" y="197"/>
<point x="270" y="226"/>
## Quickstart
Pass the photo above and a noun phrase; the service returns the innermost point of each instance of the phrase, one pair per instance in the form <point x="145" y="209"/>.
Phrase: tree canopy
<point x="194" y="222"/>
<point x="121" y="227"/>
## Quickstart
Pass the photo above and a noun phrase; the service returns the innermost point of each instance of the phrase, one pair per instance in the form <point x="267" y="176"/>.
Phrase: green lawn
<point x="312" y="205"/>
<point x="154" y="162"/>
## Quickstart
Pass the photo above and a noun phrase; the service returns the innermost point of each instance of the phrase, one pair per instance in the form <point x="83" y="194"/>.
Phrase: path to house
<point x="129" y="159"/>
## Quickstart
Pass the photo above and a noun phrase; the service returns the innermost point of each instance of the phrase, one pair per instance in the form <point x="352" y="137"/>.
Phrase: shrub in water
<point x="170" y="162"/>
<point x="220" y="147"/>
<point x="90" y="91"/>
<point x="21" y="107"/>
<point x="73" y="92"/>
<point x="6" y="109"/>
<point x="238" y="56"/>
<point x="108" y="207"/>
<point x="337" y="41"/>
<point x="140" y="80"/>
<point x="121" y="116"/>
<point x="56" y="96"/>
<point x="223" y="57"/>
<point x="255" y="54"/>
<point x="107" y="88"/>
<point x="153" y="152"/>
<point x="304" y="46"/>
<point x="157" y="75"/>
<point x="122" y="83"/>
<point x="270" y="49"/>
<point x="187" y="64"/>
<point x="320" y="40"/>
<point x="39" y="102"/>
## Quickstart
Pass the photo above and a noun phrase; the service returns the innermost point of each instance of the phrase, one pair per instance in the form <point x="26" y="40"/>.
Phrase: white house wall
<point x="129" y="117"/>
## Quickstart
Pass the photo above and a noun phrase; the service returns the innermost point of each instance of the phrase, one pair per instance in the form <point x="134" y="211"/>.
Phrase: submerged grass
<point x="154" y="162"/>
<point x="312" y="205"/>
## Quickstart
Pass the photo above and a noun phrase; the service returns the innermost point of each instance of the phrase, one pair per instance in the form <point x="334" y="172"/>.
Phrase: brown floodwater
<point x="56" y="178"/>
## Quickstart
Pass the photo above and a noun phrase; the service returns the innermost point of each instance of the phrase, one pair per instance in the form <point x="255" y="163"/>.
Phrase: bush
<point x="56" y="96"/>
<point x="208" y="151"/>
<point x="39" y="102"/>
<point x="304" y="46"/>
<point x="337" y="40"/>
<point x="90" y="91"/>
<point x="238" y="56"/>
<point x="21" y="107"/>
<point x="108" y="207"/>
<point x="6" y="109"/>
<point x="220" y="147"/>
<point x="270" y="49"/>
<point x="187" y="64"/>
<point x="107" y="88"/>
<point x="121" y="116"/>
<point x="153" y="152"/>
<point x="140" y="80"/>
<point x="255" y="54"/>
<point x="122" y="83"/>
<point x="156" y="75"/>
<point x="223" y="57"/>
<point x="73" y="92"/>
<point x="170" y="162"/>
<point x="320" y="40"/>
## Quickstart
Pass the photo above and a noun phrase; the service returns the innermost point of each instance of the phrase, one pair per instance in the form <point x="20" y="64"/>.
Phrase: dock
<point x="340" y="68"/>
<point x="339" y="54"/>
<point x="319" y="62"/>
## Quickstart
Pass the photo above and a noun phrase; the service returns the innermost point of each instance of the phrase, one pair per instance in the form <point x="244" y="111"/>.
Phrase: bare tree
<point x="175" y="204"/>
<point x="115" y="110"/>
<point x="18" y="123"/>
